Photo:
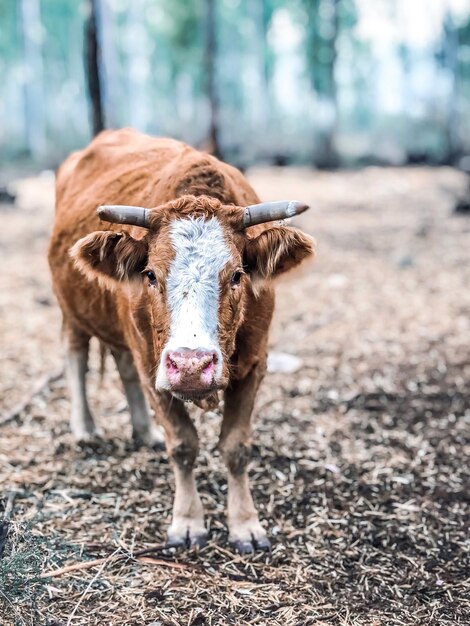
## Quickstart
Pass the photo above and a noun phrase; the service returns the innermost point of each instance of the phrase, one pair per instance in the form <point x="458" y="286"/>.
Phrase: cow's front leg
<point x="187" y="526"/>
<point x="245" y="530"/>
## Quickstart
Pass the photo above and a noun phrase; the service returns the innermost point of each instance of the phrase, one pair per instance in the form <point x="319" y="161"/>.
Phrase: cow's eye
<point x="236" y="278"/>
<point x="151" y="276"/>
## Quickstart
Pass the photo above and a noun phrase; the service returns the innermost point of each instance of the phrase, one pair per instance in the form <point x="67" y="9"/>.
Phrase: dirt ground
<point x="360" y="468"/>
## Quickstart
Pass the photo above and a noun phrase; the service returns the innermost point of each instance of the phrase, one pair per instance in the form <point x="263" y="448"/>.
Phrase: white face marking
<point x="201" y="252"/>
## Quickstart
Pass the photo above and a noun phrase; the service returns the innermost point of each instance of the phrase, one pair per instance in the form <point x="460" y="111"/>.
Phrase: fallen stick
<point x="152" y="561"/>
<point x="42" y="384"/>
<point x="141" y="556"/>
<point x="77" y="566"/>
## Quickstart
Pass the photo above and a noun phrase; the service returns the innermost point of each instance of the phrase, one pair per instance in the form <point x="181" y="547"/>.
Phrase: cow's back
<point x="124" y="167"/>
<point x="121" y="167"/>
<point x="128" y="167"/>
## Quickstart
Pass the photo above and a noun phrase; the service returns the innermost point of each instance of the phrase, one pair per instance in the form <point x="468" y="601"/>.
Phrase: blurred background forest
<point x="319" y="82"/>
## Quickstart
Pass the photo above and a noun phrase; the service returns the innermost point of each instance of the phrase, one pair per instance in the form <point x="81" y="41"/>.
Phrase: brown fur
<point x="97" y="269"/>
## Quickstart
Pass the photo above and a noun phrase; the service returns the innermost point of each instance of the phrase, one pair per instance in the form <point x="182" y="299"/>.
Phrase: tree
<point x="210" y="77"/>
<point x="92" y="64"/>
<point x="450" y="61"/>
<point x="30" y="21"/>
<point x="322" y="35"/>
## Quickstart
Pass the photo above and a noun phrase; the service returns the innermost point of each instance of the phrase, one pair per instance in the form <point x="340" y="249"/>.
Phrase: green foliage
<point x="20" y="568"/>
<point x="325" y="21"/>
<point x="9" y="39"/>
<point x="182" y="33"/>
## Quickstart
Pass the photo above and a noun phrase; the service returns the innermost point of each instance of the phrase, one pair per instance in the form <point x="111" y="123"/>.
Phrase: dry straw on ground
<point x="361" y="460"/>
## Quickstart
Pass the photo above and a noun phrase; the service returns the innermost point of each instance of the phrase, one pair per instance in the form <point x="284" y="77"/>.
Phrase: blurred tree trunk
<point x="260" y="102"/>
<point x="322" y="36"/>
<point x="113" y="94"/>
<point x="328" y="156"/>
<point x="210" y="78"/>
<point x="267" y="14"/>
<point x="451" y="51"/>
<point x="31" y="37"/>
<point x="137" y="50"/>
<point x="92" y="64"/>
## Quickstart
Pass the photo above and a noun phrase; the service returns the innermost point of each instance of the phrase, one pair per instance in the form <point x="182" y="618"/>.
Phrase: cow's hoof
<point x="243" y="547"/>
<point x="249" y="547"/>
<point x="198" y="542"/>
<point x="187" y="532"/>
<point x="248" y="535"/>
<point x="186" y="542"/>
<point x="88" y="437"/>
<point x="263" y="544"/>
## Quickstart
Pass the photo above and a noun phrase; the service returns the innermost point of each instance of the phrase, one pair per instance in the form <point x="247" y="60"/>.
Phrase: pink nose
<point x="190" y="370"/>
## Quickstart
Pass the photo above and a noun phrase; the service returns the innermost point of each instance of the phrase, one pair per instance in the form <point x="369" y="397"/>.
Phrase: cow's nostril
<point x="171" y="365"/>
<point x="209" y="366"/>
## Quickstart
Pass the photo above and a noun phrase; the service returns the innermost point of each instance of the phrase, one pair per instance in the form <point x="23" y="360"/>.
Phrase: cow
<point x="167" y="256"/>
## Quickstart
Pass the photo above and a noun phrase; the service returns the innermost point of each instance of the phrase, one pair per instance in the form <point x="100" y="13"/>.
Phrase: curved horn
<point x="121" y="214"/>
<point x="271" y="211"/>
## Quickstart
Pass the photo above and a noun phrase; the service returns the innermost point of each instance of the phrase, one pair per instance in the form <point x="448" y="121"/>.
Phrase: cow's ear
<point x="276" y="250"/>
<point x="110" y="257"/>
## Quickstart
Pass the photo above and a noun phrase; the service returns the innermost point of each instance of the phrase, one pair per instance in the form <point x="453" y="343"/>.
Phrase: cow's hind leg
<point x="245" y="530"/>
<point x="187" y="525"/>
<point x="81" y="419"/>
<point x="144" y="429"/>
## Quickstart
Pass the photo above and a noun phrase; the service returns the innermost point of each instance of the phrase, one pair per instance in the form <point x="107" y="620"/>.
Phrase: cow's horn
<point x="271" y="211"/>
<point x="121" y="214"/>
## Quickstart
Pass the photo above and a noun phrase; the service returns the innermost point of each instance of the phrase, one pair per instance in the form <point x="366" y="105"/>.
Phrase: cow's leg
<point x="187" y="526"/>
<point x="144" y="429"/>
<point x="245" y="530"/>
<point x="81" y="419"/>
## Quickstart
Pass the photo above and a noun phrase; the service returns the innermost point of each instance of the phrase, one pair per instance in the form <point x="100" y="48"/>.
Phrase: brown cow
<point x="180" y="292"/>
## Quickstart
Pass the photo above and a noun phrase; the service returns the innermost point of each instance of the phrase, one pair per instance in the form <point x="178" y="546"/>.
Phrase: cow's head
<point x="193" y="271"/>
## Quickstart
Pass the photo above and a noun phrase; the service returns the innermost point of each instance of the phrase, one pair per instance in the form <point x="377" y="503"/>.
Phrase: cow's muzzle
<point x="191" y="374"/>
